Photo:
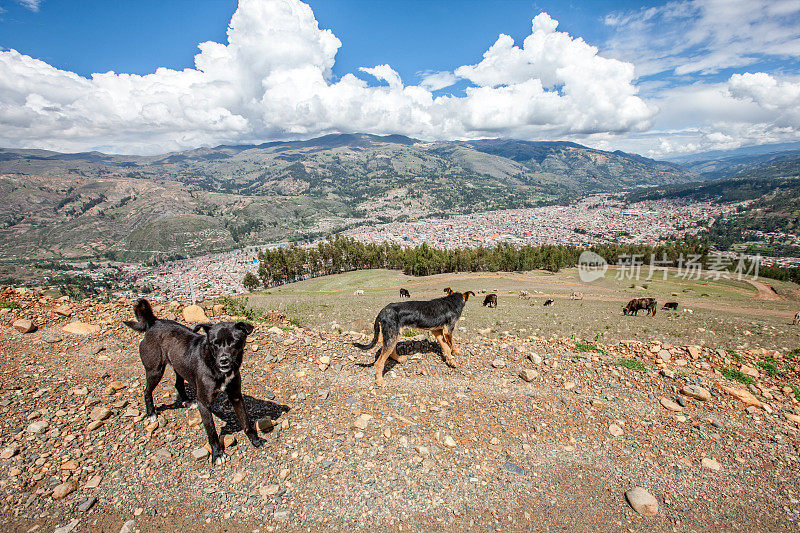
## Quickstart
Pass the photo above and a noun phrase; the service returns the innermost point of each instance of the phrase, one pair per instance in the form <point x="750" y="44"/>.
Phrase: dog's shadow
<point x="222" y="409"/>
<point x="407" y="348"/>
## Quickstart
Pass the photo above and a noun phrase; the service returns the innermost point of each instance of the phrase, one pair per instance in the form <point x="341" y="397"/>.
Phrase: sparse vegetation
<point x="632" y="364"/>
<point x="238" y="307"/>
<point x="736" y="375"/>
<point x="9" y="304"/>
<point x="586" y="347"/>
<point x="734" y="355"/>
<point x="769" y="368"/>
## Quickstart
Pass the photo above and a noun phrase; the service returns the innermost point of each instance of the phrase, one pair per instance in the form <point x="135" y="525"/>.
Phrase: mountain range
<point x="136" y="207"/>
<point x="56" y="205"/>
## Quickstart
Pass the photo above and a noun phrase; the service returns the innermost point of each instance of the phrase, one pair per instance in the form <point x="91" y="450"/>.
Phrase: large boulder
<point x="697" y="392"/>
<point x="642" y="501"/>
<point x="740" y="394"/>
<point x="63" y="310"/>
<point x="24" y="325"/>
<point x="194" y="313"/>
<point x="81" y="328"/>
<point x="65" y="489"/>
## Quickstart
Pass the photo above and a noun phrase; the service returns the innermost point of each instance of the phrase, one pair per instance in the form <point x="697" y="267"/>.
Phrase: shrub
<point x="633" y="364"/>
<point x="736" y="375"/>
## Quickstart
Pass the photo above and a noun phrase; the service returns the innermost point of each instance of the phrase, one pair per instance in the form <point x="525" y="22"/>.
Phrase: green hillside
<point x="207" y="199"/>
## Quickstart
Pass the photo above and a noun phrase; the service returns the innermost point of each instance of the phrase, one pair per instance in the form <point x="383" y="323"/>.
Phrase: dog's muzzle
<point x="225" y="364"/>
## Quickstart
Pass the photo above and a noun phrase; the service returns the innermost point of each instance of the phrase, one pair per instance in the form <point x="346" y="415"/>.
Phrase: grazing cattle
<point x="404" y="293"/>
<point x="796" y="319"/>
<point x="358" y="292"/>
<point x="650" y="304"/>
<point x="576" y="295"/>
<point x="671" y="306"/>
<point x="490" y="300"/>
<point x="549" y="302"/>
<point x="524" y="295"/>
<point x="637" y="304"/>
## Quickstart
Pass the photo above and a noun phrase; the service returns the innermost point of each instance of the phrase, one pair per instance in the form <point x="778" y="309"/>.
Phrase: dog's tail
<point x="145" y="318"/>
<point x="369" y="346"/>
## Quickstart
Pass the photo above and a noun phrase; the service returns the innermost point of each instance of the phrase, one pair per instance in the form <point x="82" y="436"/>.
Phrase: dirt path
<point x="764" y="290"/>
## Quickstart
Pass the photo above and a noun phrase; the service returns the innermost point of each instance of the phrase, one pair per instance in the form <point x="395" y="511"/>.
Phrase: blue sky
<point x="138" y="37"/>
<point x="665" y="78"/>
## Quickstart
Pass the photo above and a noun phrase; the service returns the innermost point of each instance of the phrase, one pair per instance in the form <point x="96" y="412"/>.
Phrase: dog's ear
<point x="467" y="294"/>
<point x="244" y="326"/>
<point x="134" y="325"/>
<point x="204" y="326"/>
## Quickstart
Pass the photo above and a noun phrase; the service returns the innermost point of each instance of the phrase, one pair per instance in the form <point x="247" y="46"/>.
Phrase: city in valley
<point x="594" y="220"/>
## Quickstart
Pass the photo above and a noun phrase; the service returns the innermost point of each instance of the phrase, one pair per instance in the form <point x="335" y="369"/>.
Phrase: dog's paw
<point x="220" y="460"/>
<point x="452" y="364"/>
<point x="149" y="419"/>
<point x="402" y="359"/>
<point x="380" y="382"/>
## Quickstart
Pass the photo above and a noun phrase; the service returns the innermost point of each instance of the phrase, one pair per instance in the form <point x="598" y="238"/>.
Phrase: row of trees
<point x="342" y="254"/>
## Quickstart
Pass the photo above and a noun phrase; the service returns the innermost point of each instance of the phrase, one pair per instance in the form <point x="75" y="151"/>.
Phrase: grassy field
<point x="726" y="313"/>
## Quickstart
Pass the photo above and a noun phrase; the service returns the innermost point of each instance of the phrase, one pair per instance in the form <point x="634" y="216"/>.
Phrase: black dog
<point x="404" y="293"/>
<point x="549" y="302"/>
<point x="490" y="300"/>
<point x="210" y="363"/>
<point x="439" y="316"/>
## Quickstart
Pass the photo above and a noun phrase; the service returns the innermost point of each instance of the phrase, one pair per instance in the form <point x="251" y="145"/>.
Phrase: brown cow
<point x="637" y="304"/>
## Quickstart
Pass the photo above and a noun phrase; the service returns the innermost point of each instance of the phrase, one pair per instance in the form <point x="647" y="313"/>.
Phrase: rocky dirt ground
<point x="530" y="433"/>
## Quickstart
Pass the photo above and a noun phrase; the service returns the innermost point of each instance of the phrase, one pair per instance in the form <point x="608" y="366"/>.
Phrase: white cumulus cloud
<point x="272" y="80"/>
<point x="766" y="91"/>
<point x="699" y="37"/>
<point x="434" y="81"/>
<point x="747" y="109"/>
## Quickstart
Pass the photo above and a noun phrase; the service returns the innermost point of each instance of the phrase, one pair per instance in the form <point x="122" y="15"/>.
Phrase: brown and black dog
<point x="208" y="362"/>
<point x="439" y="316"/>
